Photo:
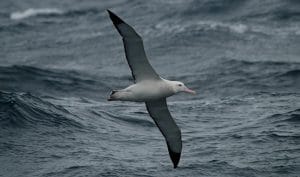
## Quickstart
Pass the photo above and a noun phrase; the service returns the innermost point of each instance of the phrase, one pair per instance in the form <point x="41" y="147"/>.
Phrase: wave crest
<point x="35" y="12"/>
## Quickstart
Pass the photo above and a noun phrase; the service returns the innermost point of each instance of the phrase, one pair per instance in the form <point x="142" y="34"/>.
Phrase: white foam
<point x="234" y="27"/>
<point x="34" y="12"/>
<point x="203" y="25"/>
<point x="239" y="28"/>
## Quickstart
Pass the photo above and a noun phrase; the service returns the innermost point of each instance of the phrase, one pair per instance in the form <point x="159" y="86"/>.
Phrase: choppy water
<point x="60" y="59"/>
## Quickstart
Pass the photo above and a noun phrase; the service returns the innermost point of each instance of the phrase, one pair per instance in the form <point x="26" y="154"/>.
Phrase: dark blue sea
<point x="59" y="59"/>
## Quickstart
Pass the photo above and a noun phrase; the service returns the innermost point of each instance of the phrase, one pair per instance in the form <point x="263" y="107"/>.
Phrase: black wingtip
<point x="114" y="18"/>
<point x="175" y="158"/>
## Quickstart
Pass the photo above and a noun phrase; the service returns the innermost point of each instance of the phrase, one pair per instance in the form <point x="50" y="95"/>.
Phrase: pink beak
<point x="190" y="91"/>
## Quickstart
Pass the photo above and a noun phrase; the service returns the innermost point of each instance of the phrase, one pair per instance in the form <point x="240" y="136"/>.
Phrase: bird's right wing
<point x="159" y="112"/>
<point x="134" y="50"/>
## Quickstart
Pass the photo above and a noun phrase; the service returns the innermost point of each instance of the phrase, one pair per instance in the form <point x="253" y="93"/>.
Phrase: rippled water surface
<point x="60" y="59"/>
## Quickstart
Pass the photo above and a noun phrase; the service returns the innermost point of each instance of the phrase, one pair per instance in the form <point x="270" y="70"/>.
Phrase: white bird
<point x="149" y="87"/>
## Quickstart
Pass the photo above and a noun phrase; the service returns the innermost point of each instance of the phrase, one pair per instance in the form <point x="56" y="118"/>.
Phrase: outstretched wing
<point x="159" y="112"/>
<point x="134" y="50"/>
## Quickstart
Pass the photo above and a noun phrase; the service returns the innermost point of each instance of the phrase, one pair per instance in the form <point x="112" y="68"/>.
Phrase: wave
<point x="282" y="13"/>
<point x="51" y="81"/>
<point x="133" y="121"/>
<point x="292" y="73"/>
<point x="17" y="27"/>
<point x="25" y="110"/>
<point x="213" y="6"/>
<point x="234" y="9"/>
<point x="266" y="63"/>
<point x="35" y="12"/>
<point x="250" y="76"/>
<point x="291" y="116"/>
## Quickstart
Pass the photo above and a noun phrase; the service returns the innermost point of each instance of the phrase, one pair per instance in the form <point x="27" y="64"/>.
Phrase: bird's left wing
<point x="134" y="50"/>
<point x="159" y="112"/>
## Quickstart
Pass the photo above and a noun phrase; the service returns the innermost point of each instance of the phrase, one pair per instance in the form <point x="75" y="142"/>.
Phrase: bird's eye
<point x="179" y="85"/>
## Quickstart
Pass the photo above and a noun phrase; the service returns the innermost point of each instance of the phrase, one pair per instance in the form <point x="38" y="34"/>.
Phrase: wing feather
<point x="159" y="112"/>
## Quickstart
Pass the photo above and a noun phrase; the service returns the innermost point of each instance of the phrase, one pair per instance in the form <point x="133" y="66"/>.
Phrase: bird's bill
<point x="187" y="90"/>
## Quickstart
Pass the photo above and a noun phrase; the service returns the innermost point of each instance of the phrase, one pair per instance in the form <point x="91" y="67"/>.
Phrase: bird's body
<point x="145" y="91"/>
<point x="149" y="87"/>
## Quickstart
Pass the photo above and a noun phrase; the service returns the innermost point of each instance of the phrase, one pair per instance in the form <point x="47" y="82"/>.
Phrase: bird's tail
<point x="112" y="96"/>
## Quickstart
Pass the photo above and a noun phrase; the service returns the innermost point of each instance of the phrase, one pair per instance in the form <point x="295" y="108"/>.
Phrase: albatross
<point x="149" y="87"/>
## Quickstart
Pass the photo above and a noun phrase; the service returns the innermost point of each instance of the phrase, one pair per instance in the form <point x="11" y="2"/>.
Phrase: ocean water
<point x="60" y="59"/>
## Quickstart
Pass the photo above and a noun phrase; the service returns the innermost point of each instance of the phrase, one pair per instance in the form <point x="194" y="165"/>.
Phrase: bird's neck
<point x="170" y="85"/>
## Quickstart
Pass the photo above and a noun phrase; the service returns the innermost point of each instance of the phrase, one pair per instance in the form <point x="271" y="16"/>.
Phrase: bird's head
<point x="180" y="87"/>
